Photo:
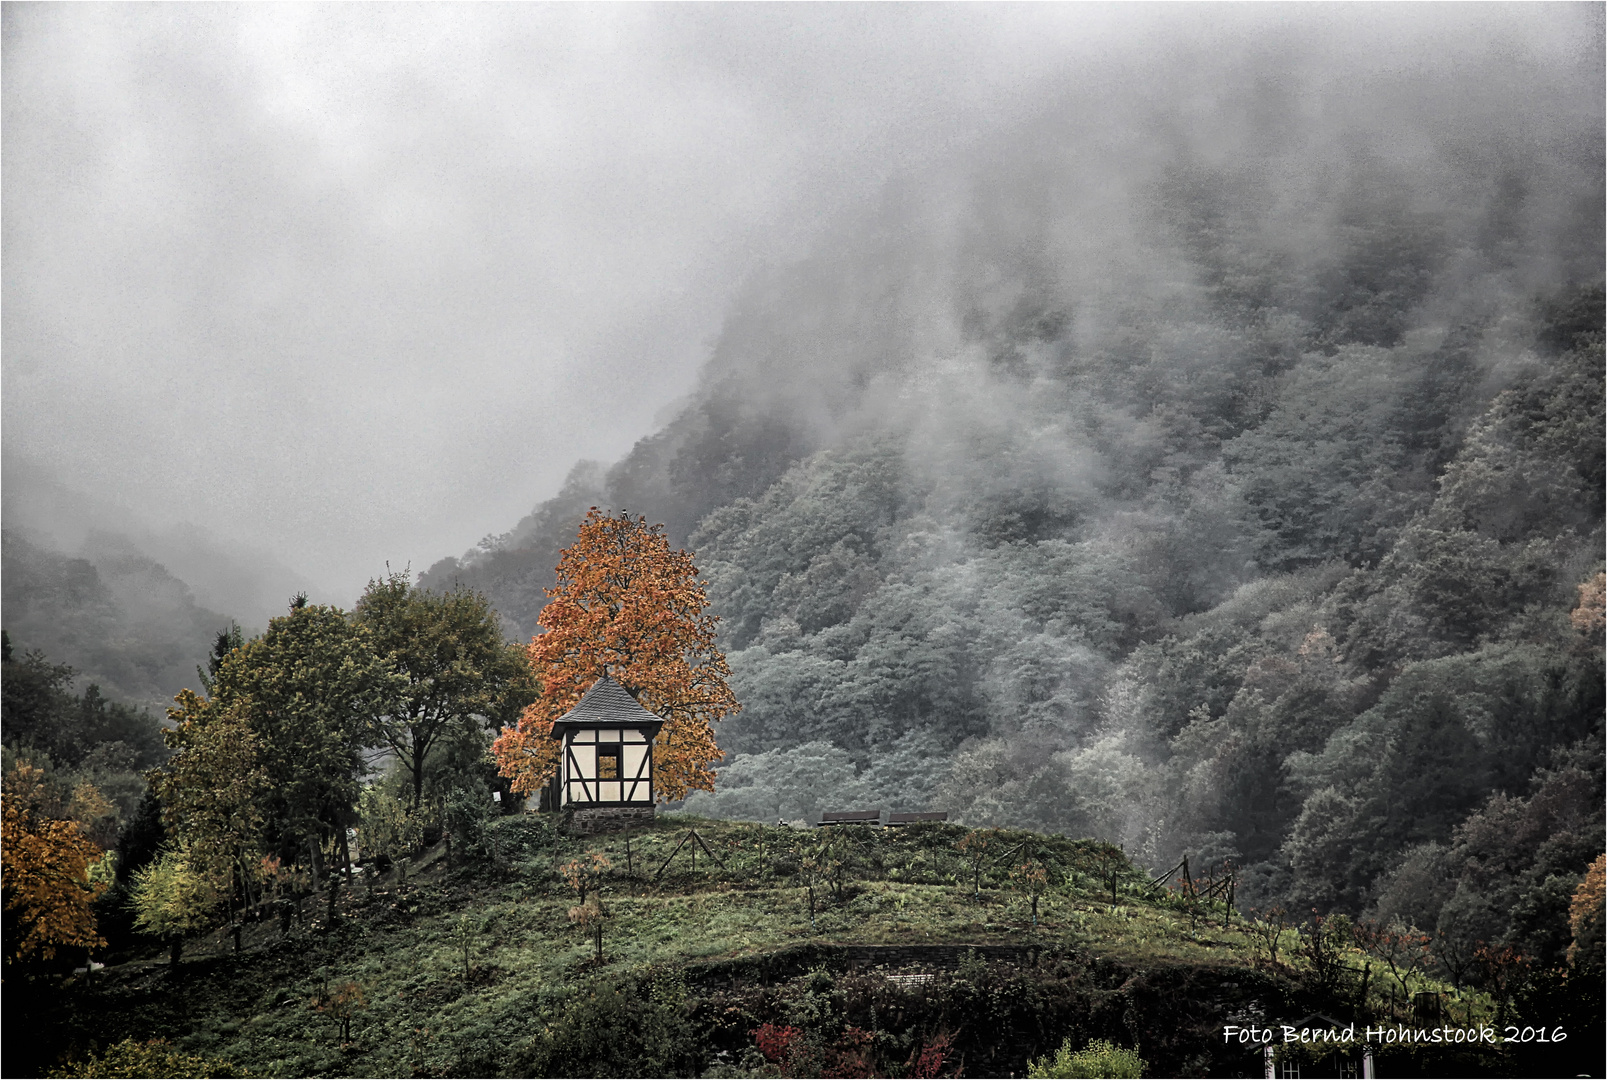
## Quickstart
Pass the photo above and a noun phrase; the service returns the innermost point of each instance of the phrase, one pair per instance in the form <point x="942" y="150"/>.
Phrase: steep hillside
<point x="1215" y="469"/>
<point x="471" y="967"/>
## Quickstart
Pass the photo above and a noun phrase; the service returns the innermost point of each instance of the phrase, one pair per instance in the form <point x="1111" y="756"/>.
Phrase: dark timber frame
<point x="606" y="725"/>
<point x="584" y="786"/>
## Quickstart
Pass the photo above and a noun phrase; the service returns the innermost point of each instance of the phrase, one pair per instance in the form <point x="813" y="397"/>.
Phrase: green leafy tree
<point x="1533" y="463"/>
<point x="32" y="691"/>
<point x="1322" y="944"/>
<point x="466" y="820"/>
<point x="142" y="837"/>
<point x="1327" y="473"/>
<point x="212" y="793"/>
<point x="456" y="673"/>
<point x="1403" y="950"/>
<point x="39" y="710"/>
<point x="309" y="689"/>
<point x="174" y="900"/>
<point x="813" y="870"/>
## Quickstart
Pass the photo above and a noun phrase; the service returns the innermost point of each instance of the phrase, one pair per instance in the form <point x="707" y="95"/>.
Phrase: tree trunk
<point x="253" y="900"/>
<point x="177" y="948"/>
<point x="346" y="855"/>
<point x="334" y="892"/>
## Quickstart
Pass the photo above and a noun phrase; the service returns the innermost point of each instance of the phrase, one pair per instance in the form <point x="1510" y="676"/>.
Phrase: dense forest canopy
<point x="1211" y="468"/>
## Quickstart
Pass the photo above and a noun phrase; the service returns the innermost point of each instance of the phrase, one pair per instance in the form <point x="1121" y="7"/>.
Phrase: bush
<point x="1098" y="1058"/>
<point x="172" y="900"/>
<point x="158" y="1057"/>
<point x="390" y="830"/>
<point x="638" y="1026"/>
<point x="466" y="815"/>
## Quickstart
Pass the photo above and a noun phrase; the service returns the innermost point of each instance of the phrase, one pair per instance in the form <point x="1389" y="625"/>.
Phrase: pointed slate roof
<point x="608" y="703"/>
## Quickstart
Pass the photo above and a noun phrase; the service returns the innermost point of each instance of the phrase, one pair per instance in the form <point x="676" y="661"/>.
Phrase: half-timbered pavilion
<point x="606" y="759"/>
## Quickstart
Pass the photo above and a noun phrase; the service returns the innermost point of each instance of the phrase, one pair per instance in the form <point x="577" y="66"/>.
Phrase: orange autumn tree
<point x="47" y="886"/>
<point x="626" y="606"/>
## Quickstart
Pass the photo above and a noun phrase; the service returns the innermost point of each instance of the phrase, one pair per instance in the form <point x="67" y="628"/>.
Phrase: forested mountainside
<point x="223" y="574"/>
<point x="1223" y="477"/>
<point x="117" y="616"/>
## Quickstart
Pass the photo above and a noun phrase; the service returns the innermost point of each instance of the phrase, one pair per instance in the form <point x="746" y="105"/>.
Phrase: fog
<point x="342" y="286"/>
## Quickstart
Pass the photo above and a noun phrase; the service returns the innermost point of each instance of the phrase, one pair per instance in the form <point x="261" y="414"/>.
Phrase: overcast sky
<point x="360" y="283"/>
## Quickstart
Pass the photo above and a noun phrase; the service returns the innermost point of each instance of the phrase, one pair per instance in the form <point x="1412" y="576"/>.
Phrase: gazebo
<point x="605" y="763"/>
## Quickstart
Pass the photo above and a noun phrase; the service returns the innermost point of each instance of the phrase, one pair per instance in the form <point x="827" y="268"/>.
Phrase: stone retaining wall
<point x="606" y="819"/>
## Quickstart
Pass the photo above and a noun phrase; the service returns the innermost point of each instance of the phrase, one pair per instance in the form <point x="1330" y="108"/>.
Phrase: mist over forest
<point x="1211" y="464"/>
<point x="1208" y="459"/>
<point x="132" y="607"/>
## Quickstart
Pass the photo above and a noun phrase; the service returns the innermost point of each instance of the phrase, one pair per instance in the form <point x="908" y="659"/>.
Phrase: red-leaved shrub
<point x="773" y="1041"/>
<point x="928" y="1063"/>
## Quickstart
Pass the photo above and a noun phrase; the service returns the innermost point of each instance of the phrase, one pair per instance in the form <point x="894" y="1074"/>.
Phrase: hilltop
<point x="471" y="967"/>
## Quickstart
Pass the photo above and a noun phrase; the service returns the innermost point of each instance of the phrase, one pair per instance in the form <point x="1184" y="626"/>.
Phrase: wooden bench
<point x="905" y="819"/>
<point x="851" y="817"/>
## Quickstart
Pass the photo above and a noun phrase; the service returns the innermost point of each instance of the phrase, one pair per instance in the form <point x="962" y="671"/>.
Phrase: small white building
<point x="605" y="764"/>
<point x="1353" y="1061"/>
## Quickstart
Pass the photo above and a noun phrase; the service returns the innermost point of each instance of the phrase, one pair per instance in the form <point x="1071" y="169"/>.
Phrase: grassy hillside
<point x="471" y="966"/>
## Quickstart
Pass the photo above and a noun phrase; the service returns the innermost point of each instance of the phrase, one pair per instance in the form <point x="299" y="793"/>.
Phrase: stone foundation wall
<point x="607" y="819"/>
